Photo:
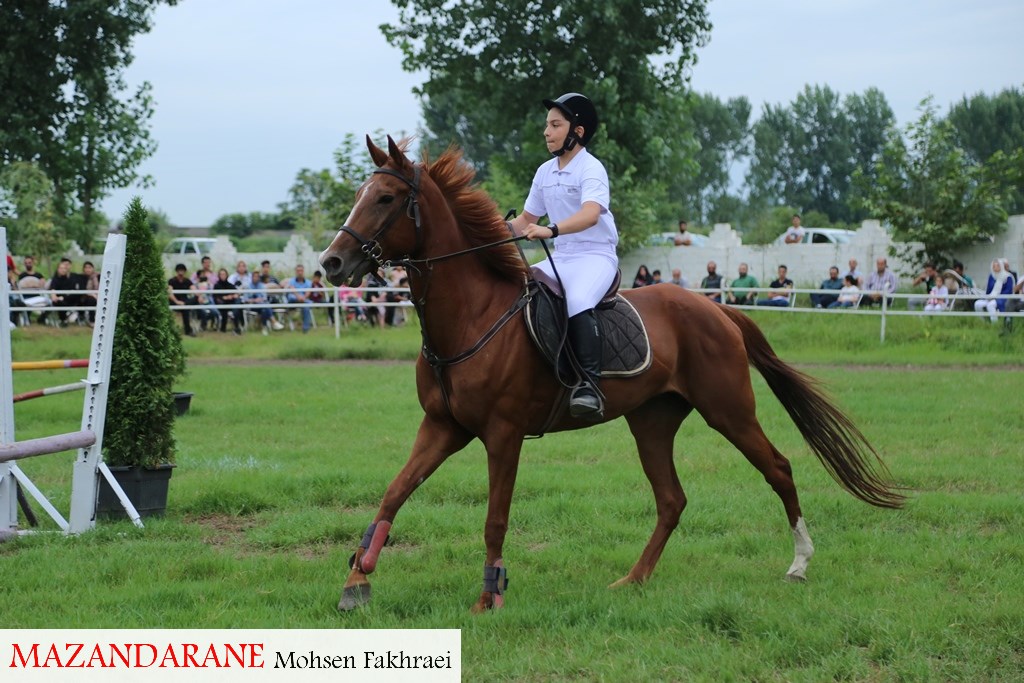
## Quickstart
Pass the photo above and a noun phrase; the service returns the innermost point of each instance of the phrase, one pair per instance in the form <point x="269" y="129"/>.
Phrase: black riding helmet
<point x="580" y="111"/>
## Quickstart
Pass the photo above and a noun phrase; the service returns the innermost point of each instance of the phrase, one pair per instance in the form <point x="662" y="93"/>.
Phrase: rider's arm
<point x="581" y="220"/>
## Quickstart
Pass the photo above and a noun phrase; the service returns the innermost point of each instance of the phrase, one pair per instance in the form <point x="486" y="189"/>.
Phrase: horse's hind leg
<point x="654" y="426"/>
<point x="435" y="441"/>
<point x="740" y="426"/>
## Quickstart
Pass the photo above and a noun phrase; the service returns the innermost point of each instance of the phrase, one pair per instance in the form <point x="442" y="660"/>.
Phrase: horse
<point x="480" y="376"/>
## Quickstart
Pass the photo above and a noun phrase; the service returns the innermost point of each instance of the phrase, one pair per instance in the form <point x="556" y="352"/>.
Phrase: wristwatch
<point x="554" y="230"/>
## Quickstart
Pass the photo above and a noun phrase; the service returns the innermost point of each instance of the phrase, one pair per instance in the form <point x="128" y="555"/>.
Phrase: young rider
<point x="572" y="191"/>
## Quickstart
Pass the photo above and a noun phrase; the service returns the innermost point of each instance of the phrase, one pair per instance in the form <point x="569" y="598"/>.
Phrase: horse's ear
<point x="397" y="155"/>
<point x="378" y="155"/>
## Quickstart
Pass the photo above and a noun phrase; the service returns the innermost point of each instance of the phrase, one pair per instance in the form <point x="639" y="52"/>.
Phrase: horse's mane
<point x="476" y="213"/>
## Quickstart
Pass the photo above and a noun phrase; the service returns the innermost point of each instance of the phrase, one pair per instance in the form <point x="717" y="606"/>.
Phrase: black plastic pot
<point x="146" y="488"/>
<point x="182" y="401"/>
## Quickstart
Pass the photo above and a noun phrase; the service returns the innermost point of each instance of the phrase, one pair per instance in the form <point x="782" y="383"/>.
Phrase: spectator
<point x="207" y="309"/>
<point x="65" y="281"/>
<point x="178" y="288"/>
<point x="373" y="282"/>
<point x="958" y="268"/>
<point x="1000" y="281"/>
<point x="297" y="292"/>
<point x="782" y="289"/>
<point x="32" y="284"/>
<point x="392" y="314"/>
<point x="882" y="281"/>
<point x="928" y="276"/>
<point x="656" y="277"/>
<point x="794" y="233"/>
<point x="261" y="302"/>
<point x="713" y="281"/>
<point x="241" y="278"/>
<point x="678" y="279"/>
<point x="225" y="294"/>
<point x="740" y="293"/>
<point x="205" y="268"/>
<point x="849" y="295"/>
<point x="643" y="277"/>
<point x="13" y="298"/>
<point x="938" y="296"/>
<point x="30" y="270"/>
<point x="318" y="293"/>
<point x="858" y="277"/>
<point x="90" y="283"/>
<point x="683" y="238"/>
<point x="832" y="283"/>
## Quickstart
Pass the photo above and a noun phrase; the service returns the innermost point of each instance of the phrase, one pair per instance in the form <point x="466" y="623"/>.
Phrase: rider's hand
<point x="534" y="231"/>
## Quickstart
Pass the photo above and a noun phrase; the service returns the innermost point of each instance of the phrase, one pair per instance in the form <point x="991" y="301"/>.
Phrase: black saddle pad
<point x="626" y="350"/>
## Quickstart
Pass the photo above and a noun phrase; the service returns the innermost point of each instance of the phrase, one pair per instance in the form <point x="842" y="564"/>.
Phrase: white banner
<point x="229" y="655"/>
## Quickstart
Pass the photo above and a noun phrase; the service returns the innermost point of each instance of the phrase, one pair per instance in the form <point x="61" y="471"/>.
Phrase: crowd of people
<point x="210" y="299"/>
<point x="853" y="289"/>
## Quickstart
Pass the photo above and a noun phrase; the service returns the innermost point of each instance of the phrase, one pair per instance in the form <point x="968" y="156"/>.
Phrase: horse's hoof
<point x="796" y="578"/>
<point x="487" y="603"/>
<point x="354" y="596"/>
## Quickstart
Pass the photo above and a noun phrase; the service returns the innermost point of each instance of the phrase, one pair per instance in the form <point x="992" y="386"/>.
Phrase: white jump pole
<point x="8" y="492"/>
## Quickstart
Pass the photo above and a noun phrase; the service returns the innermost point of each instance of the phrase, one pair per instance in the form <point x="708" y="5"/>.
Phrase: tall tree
<point x="985" y="125"/>
<point x="490" y="62"/>
<point x="805" y="153"/>
<point x="933" y="192"/>
<point x="65" y="103"/>
<point x="26" y="209"/>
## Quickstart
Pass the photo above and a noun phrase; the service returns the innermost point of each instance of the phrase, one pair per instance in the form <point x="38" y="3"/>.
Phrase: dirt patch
<point x="222" y="529"/>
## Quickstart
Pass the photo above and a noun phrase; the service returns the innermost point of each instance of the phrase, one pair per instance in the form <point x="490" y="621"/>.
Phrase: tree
<point x="490" y="62"/>
<point x="931" y="191"/>
<point x="148" y="356"/>
<point x="26" y="208"/>
<point x="985" y="125"/>
<point x="805" y="154"/>
<point x="65" y="102"/>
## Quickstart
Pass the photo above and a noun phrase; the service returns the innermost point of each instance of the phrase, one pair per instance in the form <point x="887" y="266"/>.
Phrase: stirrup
<point x="585" y="402"/>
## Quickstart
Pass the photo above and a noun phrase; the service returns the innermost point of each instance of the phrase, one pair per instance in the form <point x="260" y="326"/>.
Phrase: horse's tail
<point x="837" y="442"/>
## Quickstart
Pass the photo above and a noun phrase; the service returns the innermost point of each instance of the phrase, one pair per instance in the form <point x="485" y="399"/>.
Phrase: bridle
<point x="371" y="247"/>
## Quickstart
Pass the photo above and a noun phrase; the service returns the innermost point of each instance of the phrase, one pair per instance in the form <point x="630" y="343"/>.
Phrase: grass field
<point x="282" y="464"/>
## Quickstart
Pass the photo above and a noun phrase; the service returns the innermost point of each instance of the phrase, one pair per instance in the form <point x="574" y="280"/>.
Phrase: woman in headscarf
<point x="1000" y="282"/>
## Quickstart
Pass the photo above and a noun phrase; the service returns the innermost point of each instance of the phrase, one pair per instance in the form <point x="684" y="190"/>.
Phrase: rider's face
<point x="555" y="129"/>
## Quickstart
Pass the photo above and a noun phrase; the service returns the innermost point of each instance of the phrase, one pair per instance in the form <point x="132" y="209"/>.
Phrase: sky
<point x="249" y="92"/>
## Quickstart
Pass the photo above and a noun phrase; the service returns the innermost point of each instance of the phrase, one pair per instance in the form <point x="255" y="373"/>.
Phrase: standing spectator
<point x="881" y="282"/>
<point x="63" y="281"/>
<point x="927" y="277"/>
<point x="740" y="292"/>
<point x="858" y="277"/>
<point x="225" y="293"/>
<point x="297" y="292"/>
<point x="938" y="296"/>
<point x="643" y="277"/>
<point x="833" y="283"/>
<point x="1000" y="281"/>
<point x="712" y="281"/>
<point x="678" y="279"/>
<point x="683" y="238"/>
<point x="205" y="268"/>
<point x="178" y="292"/>
<point x="782" y="289"/>
<point x="794" y="233"/>
<point x="849" y="295"/>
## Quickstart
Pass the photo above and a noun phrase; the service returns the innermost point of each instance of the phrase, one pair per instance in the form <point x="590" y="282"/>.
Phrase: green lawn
<point x="281" y="465"/>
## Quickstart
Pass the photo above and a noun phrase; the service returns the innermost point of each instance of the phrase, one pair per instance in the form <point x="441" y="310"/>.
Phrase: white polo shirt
<point x="560" y="193"/>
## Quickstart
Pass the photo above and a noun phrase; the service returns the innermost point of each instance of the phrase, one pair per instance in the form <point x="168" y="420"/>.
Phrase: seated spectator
<point x="834" y="283"/>
<point x="261" y="302"/>
<point x="32" y="284"/>
<point x="392" y="314"/>
<point x="643" y="277"/>
<point x="938" y="296"/>
<point x="65" y="286"/>
<point x="683" y="238"/>
<point x="794" y="233"/>
<point x="656" y="277"/>
<point x="1000" y="281"/>
<point x="13" y="298"/>
<point x="296" y="292"/>
<point x="882" y="281"/>
<point x="318" y="293"/>
<point x="849" y="295"/>
<point x="858" y="277"/>
<point x="90" y="283"/>
<point x="374" y="312"/>
<point x="713" y="281"/>
<point x="225" y="294"/>
<point x="740" y="293"/>
<point x="205" y="268"/>
<point x="207" y="308"/>
<point x="782" y="289"/>
<point x="678" y="279"/>
<point x="179" y="293"/>
<point x="958" y="268"/>
<point x="927" y="277"/>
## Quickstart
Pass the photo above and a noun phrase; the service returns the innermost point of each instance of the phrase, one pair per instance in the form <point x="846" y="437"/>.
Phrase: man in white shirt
<point x="795" y="233"/>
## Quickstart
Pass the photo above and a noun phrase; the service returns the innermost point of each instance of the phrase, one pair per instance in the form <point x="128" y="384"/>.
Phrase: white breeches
<point x="586" y="273"/>
<point x="934" y="307"/>
<point x="987" y="305"/>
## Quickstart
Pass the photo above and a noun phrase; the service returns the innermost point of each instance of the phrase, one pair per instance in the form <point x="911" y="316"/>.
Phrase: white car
<point x="196" y="246"/>
<point x="821" y="236"/>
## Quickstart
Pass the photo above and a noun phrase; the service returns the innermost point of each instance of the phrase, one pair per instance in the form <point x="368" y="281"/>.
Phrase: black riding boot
<point x="585" y="336"/>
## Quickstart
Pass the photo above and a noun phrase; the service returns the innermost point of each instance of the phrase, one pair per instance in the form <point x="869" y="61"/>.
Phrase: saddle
<point x="626" y="349"/>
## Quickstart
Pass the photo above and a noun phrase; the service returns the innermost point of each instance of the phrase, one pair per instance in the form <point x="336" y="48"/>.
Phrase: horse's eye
<point x="386" y="199"/>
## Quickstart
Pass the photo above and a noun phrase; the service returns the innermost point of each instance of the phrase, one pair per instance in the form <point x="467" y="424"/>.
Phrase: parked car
<point x="663" y="239"/>
<point x="190" y="245"/>
<point x="821" y="236"/>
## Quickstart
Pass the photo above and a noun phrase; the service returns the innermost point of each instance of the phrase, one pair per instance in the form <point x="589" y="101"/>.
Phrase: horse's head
<point x="385" y="220"/>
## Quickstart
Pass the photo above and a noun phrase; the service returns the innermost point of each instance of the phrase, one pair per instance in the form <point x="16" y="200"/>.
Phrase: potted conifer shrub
<point x="148" y="356"/>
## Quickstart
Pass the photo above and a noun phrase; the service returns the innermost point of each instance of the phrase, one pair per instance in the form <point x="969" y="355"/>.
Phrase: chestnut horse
<point x="480" y="375"/>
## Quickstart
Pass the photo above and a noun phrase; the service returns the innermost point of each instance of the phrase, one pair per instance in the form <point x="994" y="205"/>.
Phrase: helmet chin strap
<point x="568" y="145"/>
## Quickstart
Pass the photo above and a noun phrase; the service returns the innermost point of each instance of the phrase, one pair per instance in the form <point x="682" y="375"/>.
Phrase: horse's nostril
<point x="331" y="264"/>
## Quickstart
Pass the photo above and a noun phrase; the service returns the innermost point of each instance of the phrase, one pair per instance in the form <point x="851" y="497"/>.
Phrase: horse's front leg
<point x="435" y="441"/>
<point x="502" y="465"/>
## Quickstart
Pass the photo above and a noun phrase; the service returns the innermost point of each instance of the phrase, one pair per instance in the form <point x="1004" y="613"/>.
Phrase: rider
<point x="572" y="191"/>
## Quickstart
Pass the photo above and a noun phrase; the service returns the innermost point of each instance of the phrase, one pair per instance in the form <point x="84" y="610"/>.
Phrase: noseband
<point x="371" y="247"/>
